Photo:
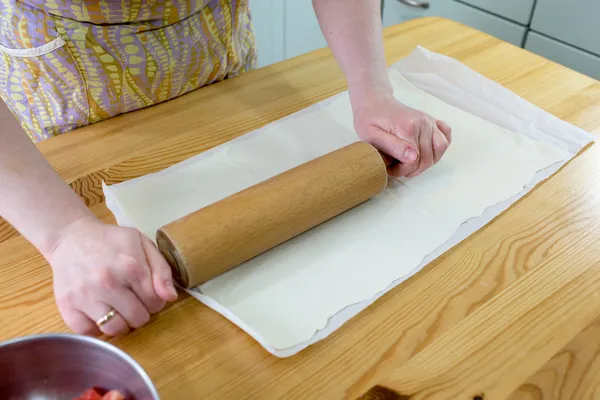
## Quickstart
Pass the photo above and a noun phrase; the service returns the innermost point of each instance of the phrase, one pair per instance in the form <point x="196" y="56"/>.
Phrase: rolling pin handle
<point x="166" y="248"/>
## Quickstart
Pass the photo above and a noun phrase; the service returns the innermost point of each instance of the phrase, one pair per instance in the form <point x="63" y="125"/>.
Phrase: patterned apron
<point x="66" y="64"/>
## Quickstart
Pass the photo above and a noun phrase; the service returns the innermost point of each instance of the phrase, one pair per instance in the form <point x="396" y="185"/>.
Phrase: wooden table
<point x="512" y="311"/>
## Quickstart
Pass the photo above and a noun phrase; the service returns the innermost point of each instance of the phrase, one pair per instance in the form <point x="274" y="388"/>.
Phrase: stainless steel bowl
<point x="63" y="366"/>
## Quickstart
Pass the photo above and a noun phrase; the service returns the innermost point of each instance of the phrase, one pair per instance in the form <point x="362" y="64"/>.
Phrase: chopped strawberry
<point x="90" y="394"/>
<point x="113" y="395"/>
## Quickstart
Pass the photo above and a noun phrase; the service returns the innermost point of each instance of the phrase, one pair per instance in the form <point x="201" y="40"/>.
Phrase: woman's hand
<point x="98" y="268"/>
<point x="414" y="140"/>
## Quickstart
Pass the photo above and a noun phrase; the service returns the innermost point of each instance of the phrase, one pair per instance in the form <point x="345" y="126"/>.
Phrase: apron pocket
<point x="44" y="88"/>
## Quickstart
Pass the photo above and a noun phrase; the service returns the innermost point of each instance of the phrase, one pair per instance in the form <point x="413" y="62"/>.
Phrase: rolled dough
<point x="283" y="297"/>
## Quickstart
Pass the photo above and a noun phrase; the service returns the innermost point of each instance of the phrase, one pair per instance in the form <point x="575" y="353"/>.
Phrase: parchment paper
<point x="455" y="84"/>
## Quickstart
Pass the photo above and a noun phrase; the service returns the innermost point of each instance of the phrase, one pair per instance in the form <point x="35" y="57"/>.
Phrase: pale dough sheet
<point x="304" y="289"/>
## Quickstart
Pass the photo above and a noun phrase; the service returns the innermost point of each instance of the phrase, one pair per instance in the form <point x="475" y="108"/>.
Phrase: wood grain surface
<point x="572" y="374"/>
<point x="466" y="299"/>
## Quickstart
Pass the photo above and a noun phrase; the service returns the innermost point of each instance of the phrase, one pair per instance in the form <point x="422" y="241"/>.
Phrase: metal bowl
<point x="63" y="366"/>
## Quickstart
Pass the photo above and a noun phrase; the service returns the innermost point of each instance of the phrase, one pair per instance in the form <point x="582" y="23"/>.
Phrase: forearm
<point x="353" y="31"/>
<point x="33" y="198"/>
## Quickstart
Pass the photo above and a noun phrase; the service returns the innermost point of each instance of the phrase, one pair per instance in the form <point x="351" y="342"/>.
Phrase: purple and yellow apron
<point x="66" y="64"/>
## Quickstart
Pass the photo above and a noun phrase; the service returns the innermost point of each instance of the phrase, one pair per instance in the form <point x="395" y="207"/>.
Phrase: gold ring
<point x="106" y="317"/>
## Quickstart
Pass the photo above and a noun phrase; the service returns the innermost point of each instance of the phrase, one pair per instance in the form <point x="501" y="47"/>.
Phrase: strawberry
<point x="90" y="394"/>
<point x="113" y="395"/>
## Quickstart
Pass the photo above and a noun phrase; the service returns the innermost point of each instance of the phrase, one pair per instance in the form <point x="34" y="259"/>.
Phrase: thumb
<point x="162" y="279"/>
<point x="395" y="147"/>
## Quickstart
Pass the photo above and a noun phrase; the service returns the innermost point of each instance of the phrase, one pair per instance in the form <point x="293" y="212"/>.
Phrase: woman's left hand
<point x="414" y="140"/>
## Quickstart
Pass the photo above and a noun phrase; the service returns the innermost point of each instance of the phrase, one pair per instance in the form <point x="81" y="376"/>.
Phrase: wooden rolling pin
<point x="218" y="237"/>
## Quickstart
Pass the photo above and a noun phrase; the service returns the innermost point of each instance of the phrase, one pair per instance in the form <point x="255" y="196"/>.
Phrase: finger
<point x="395" y="147"/>
<point x="162" y="277"/>
<point x="80" y="323"/>
<point x="445" y="129"/>
<point x="127" y="304"/>
<point x="400" y="169"/>
<point x="115" y="326"/>
<point x="440" y="145"/>
<point x="139" y="278"/>
<point x="388" y="161"/>
<point x="425" y="149"/>
<point x="144" y="291"/>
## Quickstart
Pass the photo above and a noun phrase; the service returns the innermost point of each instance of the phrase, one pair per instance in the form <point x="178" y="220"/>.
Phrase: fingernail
<point x="410" y="155"/>
<point x="171" y="288"/>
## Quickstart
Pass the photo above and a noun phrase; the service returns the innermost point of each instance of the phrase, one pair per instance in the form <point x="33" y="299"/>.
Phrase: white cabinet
<point x="302" y="31"/>
<point x="563" y="32"/>
<point x="288" y="28"/>
<point x="575" y="23"/>
<point x="516" y="10"/>
<point x="267" y="20"/>
<point x="284" y="29"/>
<point x="397" y="11"/>
<point x="566" y="55"/>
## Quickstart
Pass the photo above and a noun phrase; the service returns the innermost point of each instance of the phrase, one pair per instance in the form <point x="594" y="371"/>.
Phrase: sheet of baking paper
<point x="301" y="291"/>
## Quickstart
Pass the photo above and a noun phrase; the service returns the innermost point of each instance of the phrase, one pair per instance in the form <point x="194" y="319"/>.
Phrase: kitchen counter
<point x="494" y="315"/>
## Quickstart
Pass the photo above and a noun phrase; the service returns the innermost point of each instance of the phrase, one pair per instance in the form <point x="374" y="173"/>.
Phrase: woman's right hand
<point x="98" y="268"/>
